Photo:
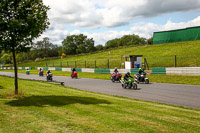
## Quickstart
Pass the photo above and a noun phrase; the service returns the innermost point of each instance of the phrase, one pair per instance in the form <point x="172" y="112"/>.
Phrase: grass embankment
<point x="158" y="78"/>
<point x="54" y="108"/>
<point x="160" y="55"/>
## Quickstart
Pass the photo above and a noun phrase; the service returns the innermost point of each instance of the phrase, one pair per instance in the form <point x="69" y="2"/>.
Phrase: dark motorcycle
<point x="115" y="77"/>
<point x="49" y="77"/>
<point x="40" y="73"/>
<point x="141" y="78"/>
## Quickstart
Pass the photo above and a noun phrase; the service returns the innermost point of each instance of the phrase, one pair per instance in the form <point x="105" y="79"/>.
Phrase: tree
<point x="21" y="21"/>
<point x="6" y="58"/>
<point x="76" y="44"/>
<point x="150" y="41"/>
<point x="99" y="47"/>
<point x="45" y="48"/>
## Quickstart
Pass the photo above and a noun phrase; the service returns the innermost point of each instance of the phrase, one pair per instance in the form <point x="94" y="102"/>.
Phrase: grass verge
<point x="53" y="108"/>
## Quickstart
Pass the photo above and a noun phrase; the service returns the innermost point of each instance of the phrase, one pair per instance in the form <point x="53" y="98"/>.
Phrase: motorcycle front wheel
<point x="135" y="86"/>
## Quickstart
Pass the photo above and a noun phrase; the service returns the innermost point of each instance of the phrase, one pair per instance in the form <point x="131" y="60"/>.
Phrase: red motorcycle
<point x="116" y="77"/>
<point x="74" y="75"/>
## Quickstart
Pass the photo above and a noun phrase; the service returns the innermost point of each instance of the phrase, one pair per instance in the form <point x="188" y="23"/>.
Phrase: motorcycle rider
<point x="73" y="70"/>
<point x="40" y="72"/>
<point x="48" y="72"/>
<point x="140" y="71"/>
<point x="126" y="76"/>
<point x="115" y="71"/>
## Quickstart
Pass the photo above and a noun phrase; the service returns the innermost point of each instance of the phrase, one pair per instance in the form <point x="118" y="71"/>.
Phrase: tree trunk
<point x="15" y="68"/>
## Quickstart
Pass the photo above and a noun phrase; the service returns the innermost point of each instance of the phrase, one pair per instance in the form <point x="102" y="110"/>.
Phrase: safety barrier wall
<point x="183" y="71"/>
<point x="89" y="70"/>
<point x="168" y="71"/>
<point x="19" y="68"/>
<point x="159" y="70"/>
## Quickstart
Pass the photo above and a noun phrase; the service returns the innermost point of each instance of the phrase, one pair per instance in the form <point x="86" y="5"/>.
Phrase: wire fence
<point x="160" y="61"/>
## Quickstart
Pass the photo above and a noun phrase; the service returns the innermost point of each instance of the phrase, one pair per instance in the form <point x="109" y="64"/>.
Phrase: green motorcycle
<point x="129" y="84"/>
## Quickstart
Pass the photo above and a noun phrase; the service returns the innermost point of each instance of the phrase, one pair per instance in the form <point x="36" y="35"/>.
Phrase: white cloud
<point x="94" y="14"/>
<point x="112" y="13"/>
<point x="57" y="33"/>
<point x="146" y="29"/>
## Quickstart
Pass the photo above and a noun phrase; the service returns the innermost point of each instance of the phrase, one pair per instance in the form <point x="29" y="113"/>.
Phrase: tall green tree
<point x="76" y="44"/>
<point x="21" y="21"/>
<point x="45" y="48"/>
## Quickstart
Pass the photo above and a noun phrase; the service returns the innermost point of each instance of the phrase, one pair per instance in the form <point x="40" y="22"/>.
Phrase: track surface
<point x="175" y="94"/>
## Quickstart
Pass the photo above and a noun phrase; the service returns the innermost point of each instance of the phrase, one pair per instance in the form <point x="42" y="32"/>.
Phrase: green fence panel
<point x="58" y="69"/>
<point x="77" y="69"/>
<point x="36" y="68"/>
<point x="102" y="70"/>
<point x="45" y="68"/>
<point x="187" y="34"/>
<point x="134" y="71"/>
<point x="11" y="67"/>
<point x="160" y="70"/>
<point x="23" y="68"/>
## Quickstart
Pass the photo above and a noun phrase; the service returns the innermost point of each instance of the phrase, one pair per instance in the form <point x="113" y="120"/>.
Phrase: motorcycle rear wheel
<point x="147" y="81"/>
<point x="113" y="80"/>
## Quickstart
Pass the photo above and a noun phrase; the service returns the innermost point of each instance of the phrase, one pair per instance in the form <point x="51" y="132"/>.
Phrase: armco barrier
<point x="66" y="69"/>
<point x="101" y="70"/>
<point x="77" y="69"/>
<point x="122" y="71"/>
<point x="159" y="70"/>
<point x="88" y="70"/>
<point x="134" y="71"/>
<point x="183" y="71"/>
<point x="58" y="69"/>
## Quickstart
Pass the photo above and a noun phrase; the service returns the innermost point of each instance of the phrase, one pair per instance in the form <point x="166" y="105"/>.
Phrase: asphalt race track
<point x="175" y="94"/>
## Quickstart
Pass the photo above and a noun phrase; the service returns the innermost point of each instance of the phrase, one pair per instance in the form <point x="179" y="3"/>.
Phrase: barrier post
<point x="175" y="61"/>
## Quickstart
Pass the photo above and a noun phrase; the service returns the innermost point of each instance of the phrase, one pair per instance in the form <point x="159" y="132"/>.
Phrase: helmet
<point x="115" y="67"/>
<point x="140" y="68"/>
<point x="128" y="73"/>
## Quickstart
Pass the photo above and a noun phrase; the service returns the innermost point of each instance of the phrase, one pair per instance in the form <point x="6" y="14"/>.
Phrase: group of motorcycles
<point x="49" y="75"/>
<point x="130" y="83"/>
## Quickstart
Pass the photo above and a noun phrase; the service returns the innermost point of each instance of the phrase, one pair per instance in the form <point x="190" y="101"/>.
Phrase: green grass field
<point x="158" y="78"/>
<point x="160" y="55"/>
<point x="53" y="108"/>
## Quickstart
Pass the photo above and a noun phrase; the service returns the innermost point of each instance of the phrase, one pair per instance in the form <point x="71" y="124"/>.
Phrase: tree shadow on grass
<point x="1" y="87"/>
<point x="42" y="101"/>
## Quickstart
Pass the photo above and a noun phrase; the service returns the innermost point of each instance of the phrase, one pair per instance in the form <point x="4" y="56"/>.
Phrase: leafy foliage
<point x="20" y="22"/>
<point x="76" y="44"/>
<point x="126" y="40"/>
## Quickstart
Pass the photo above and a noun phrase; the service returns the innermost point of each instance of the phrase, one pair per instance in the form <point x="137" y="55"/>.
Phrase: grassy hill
<point x="160" y="55"/>
<point x="51" y="108"/>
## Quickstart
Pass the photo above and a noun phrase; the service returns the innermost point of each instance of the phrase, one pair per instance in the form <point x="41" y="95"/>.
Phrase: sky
<point x="104" y="20"/>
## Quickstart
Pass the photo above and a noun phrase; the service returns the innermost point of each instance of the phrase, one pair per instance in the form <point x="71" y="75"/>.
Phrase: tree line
<point x="71" y="45"/>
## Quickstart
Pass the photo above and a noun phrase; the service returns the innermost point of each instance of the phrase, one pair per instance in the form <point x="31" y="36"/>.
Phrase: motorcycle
<point x="74" y="75"/>
<point x="40" y="73"/>
<point x="49" y="77"/>
<point x="115" y="77"/>
<point x="141" y="78"/>
<point x="130" y="83"/>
